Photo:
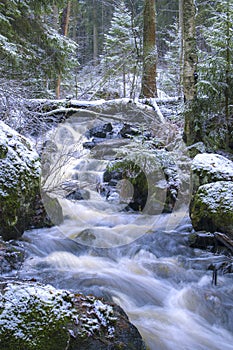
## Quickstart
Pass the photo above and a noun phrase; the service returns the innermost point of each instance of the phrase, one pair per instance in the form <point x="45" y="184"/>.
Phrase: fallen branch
<point x="225" y="240"/>
<point x="152" y="102"/>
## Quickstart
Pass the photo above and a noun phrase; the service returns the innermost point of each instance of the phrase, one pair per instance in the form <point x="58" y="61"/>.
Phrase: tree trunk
<point x="148" y="88"/>
<point x="181" y="44"/>
<point x="189" y="49"/>
<point x="66" y="19"/>
<point x="189" y="75"/>
<point x="64" y="28"/>
<point x="124" y="80"/>
<point x="95" y="34"/>
<point x="228" y="61"/>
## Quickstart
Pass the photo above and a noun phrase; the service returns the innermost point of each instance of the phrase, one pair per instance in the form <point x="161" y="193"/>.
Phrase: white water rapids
<point x="142" y="262"/>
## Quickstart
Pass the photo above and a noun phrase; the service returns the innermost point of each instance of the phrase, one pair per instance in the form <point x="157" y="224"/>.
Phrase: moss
<point x="132" y="172"/>
<point x="19" y="182"/>
<point x="33" y="320"/>
<point x="211" y="208"/>
<point x="153" y="174"/>
<point x="37" y="317"/>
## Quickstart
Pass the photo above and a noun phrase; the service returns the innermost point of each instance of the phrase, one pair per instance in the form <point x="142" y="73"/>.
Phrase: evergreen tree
<point x="120" y="47"/>
<point x="92" y="23"/>
<point x="170" y="83"/>
<point x="216" y="59"/>
<point x="30" y="48"/>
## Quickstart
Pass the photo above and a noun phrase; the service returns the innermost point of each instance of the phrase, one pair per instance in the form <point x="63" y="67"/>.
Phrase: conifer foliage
<point x="30" y="47"/>
<point x="121" y="46"/>
<point x="215" y="81"/>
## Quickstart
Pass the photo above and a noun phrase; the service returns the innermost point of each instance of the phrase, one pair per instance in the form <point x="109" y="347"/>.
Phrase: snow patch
<point x="214" y="164"/>
<point x="217" y="195"/>
<point x="30" y="310"/>
<point x="17" y="157"/>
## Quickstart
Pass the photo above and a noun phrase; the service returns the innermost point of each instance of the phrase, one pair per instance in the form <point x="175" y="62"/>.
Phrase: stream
<point x="141" y="261"/>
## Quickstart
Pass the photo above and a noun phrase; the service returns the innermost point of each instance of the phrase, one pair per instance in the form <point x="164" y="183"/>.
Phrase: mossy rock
<point x="19" y="182"/>
<point x="211" y="208"/>
<point x="39" y="317"/>
<point x="11" y="256"/>
<point x="210" y="167"/>
<point x="150" y="177"/>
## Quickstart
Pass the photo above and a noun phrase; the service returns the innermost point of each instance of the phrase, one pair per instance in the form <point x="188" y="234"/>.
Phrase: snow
<point x="214" y="164"/>
<point x="8" y="46"/>
<point x="64" y="102"/>
<point x="217" y="195"/>
<point x="98" y="314"/>
<point x="27" y="307"/>
<point x="20" y="300"/>
<point x="17" y="158"/>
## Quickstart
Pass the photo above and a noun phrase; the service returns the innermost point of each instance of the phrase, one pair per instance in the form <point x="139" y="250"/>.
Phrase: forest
<point x="116" y="174"/>
<point x="94" y="49"/>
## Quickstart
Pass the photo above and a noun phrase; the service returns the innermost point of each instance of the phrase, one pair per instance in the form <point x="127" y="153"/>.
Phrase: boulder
<point x="11" y="257"/>
<point x="145" y="181"/>
<point x="100" y="131"/>
<point x="19" y="182"/>
<point x="210" y="167"/>
<point x="211" y="208"/>
<point x="196" y="148"/>
<point x="20" y="202"/>
<point x="40" y="317"/>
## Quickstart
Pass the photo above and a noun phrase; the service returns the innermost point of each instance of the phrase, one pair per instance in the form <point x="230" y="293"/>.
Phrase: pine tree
<point x="216" y="59"/>
<point x="31" y="50"/>
<point x="170" y="83"/>
<point x="120" y="51"/>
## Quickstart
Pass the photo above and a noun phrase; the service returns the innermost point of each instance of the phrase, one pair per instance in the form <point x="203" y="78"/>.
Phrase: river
<point x="140" y="261"/>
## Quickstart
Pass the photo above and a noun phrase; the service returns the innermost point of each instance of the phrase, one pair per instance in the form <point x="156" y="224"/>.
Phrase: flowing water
<point x="141" y="261"/>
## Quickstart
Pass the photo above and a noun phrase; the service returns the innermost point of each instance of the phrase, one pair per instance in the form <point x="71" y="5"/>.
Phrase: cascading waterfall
<point x="141" y="261"/>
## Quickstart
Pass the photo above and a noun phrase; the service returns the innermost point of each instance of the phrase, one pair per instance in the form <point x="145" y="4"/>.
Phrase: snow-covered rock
<point x="19" y="182"/>
<point x="40" y="317"/>
<point x="209" y="167"/>
<point x="211" y="208"/>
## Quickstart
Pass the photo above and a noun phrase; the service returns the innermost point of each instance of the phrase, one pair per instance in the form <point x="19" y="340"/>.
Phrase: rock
<point x="78" y="195"/>
<point x="196" y="148"/>
<point x="11" y="257"/>
<point x="89" y="144"/>
<point x="202" y="240"/>
<point x="51" y="211"/>
<point x="128" y="131"/>
<point x="35" y="316"/>
<point x="148" y="182"/>
<point x="19" y="182"/>
<point x="209" y="167"/>
<point x="211" y="208"/>
<point x="100" y="131"/>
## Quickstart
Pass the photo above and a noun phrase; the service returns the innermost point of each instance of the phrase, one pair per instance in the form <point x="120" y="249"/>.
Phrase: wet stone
<point x="100" y="131"/>
<point x="201" y="240"/>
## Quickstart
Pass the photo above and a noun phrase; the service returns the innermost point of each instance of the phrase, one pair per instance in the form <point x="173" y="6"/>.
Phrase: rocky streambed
<point x="118" y="189"/>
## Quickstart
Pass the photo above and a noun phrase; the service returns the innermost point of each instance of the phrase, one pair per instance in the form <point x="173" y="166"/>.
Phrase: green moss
<point x="211" y="208"/>
<point x="19" y="182"/>
<point x="38" y="317"/>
